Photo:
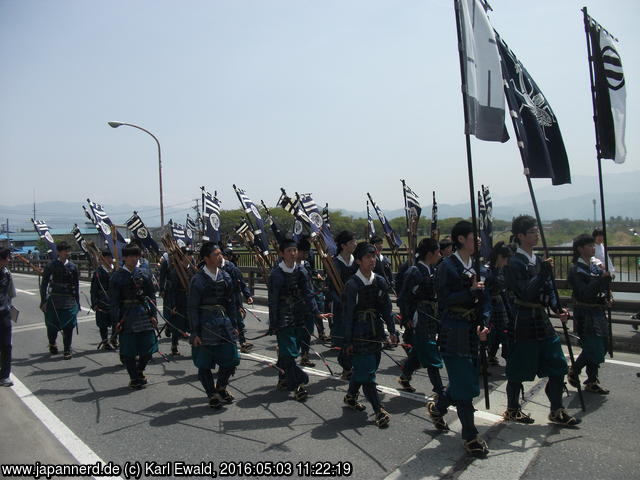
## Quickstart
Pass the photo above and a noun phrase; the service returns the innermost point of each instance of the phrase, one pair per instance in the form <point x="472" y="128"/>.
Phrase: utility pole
<point x="594" y="211"/>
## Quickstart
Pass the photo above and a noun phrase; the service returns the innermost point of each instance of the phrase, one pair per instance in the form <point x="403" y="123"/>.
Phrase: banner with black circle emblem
<point x="610" y="93"/>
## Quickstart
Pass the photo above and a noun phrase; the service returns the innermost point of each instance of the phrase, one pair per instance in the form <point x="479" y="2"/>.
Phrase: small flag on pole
<point x="179" y="234"/>
<point x="251" y="211"/>
<point x="141" y="234"/>
<point x="371" y="228"/>
<point x="103" y="223"/>
<point x="190" y="229"/>
<point x="77" y="235"/>
<point x="211" y="215"/>
<point x="413" y="204"/>
<point x="392" y="237"/>
<point x="42" y="230"/>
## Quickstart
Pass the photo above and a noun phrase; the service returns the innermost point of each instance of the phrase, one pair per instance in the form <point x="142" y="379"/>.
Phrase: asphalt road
<point x="170" y="420"/>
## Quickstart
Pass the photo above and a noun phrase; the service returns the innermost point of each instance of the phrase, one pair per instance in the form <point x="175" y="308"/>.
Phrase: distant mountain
<point x="573" y="201"/>
<point x="65" y="214"/>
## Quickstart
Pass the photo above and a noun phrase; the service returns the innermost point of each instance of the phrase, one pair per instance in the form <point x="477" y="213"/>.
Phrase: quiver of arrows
<point x="185" y="268"/>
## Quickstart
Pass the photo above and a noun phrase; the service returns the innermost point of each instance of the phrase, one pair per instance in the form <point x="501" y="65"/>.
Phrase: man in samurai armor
<point x="535" y="348"/>
<point x="60" y="299"/>
<point x="464" y="316"/>
<point x="133" y="315"/>
<point x="419" y="310"/>
<point x="290" y="300"/>
<point x="367" y="309"/>
<point x="214" y="330"/>
<point x="100" y="301"/>
<point x="591" y="286"/>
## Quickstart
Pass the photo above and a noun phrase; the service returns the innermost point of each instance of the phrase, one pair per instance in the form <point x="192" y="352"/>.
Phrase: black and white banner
<point x="141" y="234"/>
<point x="315" y="215"/>
<point x="482" y="72"/>
<point x="103" y="225"/>
<point x="75" y="231"/>
<point x="536" y="126"/>
<point x="484" y="227"/>
<point x="371" y="228"/>
<point x="610" y="92"/>
<point x="251" y="210"/>
<point x="43" y="231"/>
<point x="393" y="238"/>
<point x="179" y="234"/>
<point x="412" y="204"/>
<point x="211" y="216"/>
<point x="190" y="230"/>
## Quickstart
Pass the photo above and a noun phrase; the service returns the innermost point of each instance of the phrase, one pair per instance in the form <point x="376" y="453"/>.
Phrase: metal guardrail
<point x="626" y="261"/>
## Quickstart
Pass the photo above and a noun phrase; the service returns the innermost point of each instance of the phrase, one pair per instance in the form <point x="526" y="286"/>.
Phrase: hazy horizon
<point x="337" y="99"/>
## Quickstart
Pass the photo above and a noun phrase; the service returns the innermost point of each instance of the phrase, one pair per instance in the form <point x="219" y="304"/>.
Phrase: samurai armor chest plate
<point x="290" y="301"/>
<point x="215" y="293"/>
<point x="217" y="329"/>
<point x="531" y="324"/>
<point x="457" y="335"/>
<point x="368" y="329"/>
<point x="426" y="289"/>
<point x="62" y="279"/>
<point x="427" y="325"/>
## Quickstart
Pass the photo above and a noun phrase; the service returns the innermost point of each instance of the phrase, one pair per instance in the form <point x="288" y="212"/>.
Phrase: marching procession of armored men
<point x="457" y="302"/>
<point x="453" y="312"/>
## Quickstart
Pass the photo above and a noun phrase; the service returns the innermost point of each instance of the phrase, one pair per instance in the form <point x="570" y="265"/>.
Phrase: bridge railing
<point x="626" y="261"/>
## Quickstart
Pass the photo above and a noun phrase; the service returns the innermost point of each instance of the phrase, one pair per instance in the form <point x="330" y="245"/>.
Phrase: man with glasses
<point x="535" y="346"/>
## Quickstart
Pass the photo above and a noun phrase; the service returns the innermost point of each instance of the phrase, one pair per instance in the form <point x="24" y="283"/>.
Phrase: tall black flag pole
<point x="467" y="136"/>
<point x="472" y="202"/>
<point x="599" y="155"/>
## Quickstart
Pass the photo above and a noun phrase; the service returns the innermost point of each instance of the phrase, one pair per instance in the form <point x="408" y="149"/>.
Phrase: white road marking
<point x="620" y="362"/>
<point x="24" y="291"/>
<point x="610" y="360"/>
<point x="267" y="311"/>
<point x="258" y="311"/>
<point x="27" y="275"/>
<point x="41" y="326"/>
<point x="388" y="390"/>
<point x="76" y="447"/>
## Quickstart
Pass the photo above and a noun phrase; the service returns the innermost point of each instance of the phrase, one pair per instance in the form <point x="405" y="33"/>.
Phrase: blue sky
<point x="336" y="98"/>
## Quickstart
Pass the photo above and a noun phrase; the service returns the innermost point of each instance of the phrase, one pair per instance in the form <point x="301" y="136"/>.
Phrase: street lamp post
<point x="118" y="124"/>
